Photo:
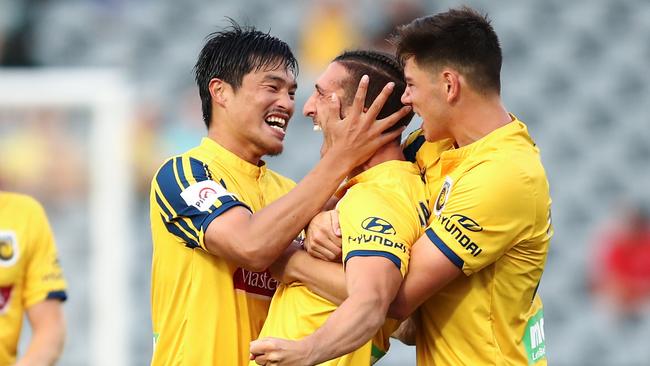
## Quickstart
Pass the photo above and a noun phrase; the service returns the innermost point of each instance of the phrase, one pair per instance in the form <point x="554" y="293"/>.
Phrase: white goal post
<point x="107" y="96"/>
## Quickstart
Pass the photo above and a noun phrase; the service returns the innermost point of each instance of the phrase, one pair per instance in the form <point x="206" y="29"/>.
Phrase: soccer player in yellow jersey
<point x="383" y="211"/>
<point x="31" y="282"/>
<point x="477" y="270"/>
<point x="475" y="273"/>
<point x="219" y="217"/>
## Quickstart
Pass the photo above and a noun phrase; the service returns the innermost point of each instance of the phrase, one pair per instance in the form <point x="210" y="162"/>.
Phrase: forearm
<point x="45" y="346"/>
<point x="326" y="279"/>
<point x="429" y="271"/>
<point x="401" y="307"/>
<point x="331" y="203"/>
<point x="257" y="241"/>
<point x="355" y="322"/>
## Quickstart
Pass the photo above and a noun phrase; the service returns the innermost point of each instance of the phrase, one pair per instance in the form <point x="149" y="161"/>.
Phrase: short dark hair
<point x="235" y="51"/>
<point x="381" y="68"/>
<point x="461" y="38"/>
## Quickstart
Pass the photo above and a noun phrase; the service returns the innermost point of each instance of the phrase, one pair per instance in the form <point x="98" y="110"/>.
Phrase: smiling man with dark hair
<point x="481" y="261"/>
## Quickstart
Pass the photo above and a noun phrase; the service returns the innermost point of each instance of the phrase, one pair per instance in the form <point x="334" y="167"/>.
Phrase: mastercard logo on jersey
<point x="8" y="249"/>
<point x="5" y="296"/>
<point x="259" y="284"/>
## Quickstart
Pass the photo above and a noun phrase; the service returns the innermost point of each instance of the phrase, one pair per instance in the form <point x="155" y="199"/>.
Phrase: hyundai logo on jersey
<point x="378" y="225"/>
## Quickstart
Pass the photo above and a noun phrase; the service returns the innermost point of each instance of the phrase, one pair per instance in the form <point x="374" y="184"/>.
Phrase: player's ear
<point x="218" y="89"/>
<point x="451" y="80"/>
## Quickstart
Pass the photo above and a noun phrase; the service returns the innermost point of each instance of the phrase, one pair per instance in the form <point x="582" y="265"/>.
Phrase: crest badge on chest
<point x="443" y="196"/>
<point x="8" y="248"/>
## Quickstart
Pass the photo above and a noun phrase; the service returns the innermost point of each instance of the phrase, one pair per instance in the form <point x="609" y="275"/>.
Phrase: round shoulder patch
<point x="8" y="248"/>
<point x="443" y="196"/>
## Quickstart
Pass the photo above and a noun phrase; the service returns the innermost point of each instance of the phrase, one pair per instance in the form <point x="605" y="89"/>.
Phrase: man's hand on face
<point x="356" y="137"/>
<point x="323" y="239"/>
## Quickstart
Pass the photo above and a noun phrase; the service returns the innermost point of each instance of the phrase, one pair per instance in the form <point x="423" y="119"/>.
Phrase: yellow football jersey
<point x="29" y="267"/>
<point x="382" y="212"/>
<point x="491" y="218"/>
<point x="425" y="155"/>
<point x="205" y="310"/>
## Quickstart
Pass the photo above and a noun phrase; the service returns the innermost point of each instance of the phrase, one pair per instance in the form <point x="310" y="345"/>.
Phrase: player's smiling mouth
<point x="277" y="122"/>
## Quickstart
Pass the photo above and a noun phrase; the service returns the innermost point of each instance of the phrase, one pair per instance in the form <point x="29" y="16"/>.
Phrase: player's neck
<point x="390" y="151"/>
<point x="484" y="116"/>
<point x="230" y="140"/>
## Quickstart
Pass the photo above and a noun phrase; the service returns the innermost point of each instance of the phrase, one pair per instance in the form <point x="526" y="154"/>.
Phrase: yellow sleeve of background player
<point x="372" y="225"/>
<point x="44" y="276"/>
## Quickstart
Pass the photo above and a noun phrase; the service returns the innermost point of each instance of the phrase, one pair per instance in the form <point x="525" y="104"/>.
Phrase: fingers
<point x="386" y="123"/>
<point x="360" y="97"/>
<point x="259" y="359"/>
<point x="261" y="346"/>
<point x="326" y="251"/>
<point x="321" y="247"/>
<point x="389" y="136"/>
<point x="322" y="241"/>
<point x="263" y="351"/>
<point x="273" y="351"/>
<point x="317" y="255"/>
<point x="379" y="102"/>
<point x="336" y="227"/>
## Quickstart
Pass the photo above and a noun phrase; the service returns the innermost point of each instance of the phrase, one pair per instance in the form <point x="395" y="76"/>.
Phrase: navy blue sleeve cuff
<point x="219" y="211"/>
<point x="374" y="253"/>
<point x="453" y="257"/>
<point x="57" y="295"/>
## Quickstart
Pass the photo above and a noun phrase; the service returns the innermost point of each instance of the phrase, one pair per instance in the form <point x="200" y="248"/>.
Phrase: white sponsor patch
<point x="204" y="194"/>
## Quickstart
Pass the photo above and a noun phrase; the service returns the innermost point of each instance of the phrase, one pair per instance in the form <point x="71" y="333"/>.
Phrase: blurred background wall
<point x="576" y="72"/>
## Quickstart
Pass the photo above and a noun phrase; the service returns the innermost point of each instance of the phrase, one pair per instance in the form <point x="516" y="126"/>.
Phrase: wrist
<point x="289" y="273"/>
<point x="338" y="161"/>
<point x="292" y="268"/>
<point x="311" y="352"/>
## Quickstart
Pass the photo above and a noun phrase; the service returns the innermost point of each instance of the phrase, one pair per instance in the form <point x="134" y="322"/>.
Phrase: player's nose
<point x="309" y="109"/>
<point x="406" y="97"/>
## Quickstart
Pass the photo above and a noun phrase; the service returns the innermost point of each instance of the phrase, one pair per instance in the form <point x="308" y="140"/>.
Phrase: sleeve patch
<point x="204" y="194"/>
